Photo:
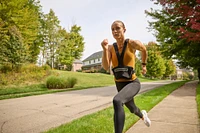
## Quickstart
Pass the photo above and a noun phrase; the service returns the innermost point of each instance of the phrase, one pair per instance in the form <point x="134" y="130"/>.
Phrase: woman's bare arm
<point x="139" y="46"/>
<point x="106" y="57"/>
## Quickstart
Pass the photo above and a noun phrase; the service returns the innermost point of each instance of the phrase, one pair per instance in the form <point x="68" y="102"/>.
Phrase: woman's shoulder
<point x="132" y="41"/>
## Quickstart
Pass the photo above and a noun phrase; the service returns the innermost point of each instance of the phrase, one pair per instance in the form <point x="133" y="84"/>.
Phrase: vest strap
<point x="120" y="56"/>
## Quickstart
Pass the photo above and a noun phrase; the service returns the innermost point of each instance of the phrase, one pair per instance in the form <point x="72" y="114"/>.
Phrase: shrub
<point x="46" y="67"/>
<point x="3" y="78"/>
<point x="30" y="68"/>
<point x="79" y="70"/>
<point x="71" y="82"/>
<point x="26" y="73"/>
<point x="5" y="68"/>
<point x="56" y="82"/>
<point x="190" y="76"/>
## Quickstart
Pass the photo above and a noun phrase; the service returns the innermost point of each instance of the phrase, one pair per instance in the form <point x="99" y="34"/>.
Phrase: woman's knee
<point x="117" y="101"/>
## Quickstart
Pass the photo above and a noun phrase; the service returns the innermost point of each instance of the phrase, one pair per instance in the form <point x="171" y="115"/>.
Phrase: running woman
<point x="122" y="57"/>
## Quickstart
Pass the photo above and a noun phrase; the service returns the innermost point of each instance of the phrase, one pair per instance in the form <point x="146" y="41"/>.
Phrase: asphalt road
<point x="35" y="114"/>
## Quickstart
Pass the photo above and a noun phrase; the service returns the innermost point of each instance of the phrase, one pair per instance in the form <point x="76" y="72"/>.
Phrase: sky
<point x="96" y="16"/>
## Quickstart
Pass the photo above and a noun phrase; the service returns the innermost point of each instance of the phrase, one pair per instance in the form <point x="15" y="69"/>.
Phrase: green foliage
<point x="19" y="22"/>
<point x="71" y="81"/>
<point x="5" y="68"/>
<point x="175" y="31"/>
<point x="26" y="74"/>
<point x="54" y="82"/>
<point x="138" y="67"/>
<point x="46" y="67"/>
<point x="52" y="38"/>
<point x="12" y="48"/>
<point x="156" y="64"/>
<point x="195" y="75"/>
<point x="58" y="82"/>
<point x="25" y="32"/>
<point x="71" y="46"/>
<point x="170" y="68"/>
<point x="187" y="76"/>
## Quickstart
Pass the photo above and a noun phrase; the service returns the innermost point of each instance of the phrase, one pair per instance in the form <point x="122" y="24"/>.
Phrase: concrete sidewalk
<point x="177" y="113"/>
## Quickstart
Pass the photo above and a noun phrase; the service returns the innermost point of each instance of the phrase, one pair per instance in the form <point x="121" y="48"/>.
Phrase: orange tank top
<point x="128" y="60"/>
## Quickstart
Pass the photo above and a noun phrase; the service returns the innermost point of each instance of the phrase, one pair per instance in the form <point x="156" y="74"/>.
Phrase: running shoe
<point x="147" y="121"/>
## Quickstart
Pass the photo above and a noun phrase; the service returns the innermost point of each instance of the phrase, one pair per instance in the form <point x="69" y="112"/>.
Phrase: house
<point x="77" y="65"/>
<point x="180" y="73"/>
<point x="93" y="62"/>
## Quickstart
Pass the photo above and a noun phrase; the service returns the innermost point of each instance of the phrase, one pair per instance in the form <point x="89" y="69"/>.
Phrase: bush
<point x="79" y="70"/>
<point x="27" y="73"/>
<point x="5" y="68"/>
<point x="46" y="67"/>
<point x="56" y="82"/>
<point x="71" y="82"/>
<point x="30" y="68"/>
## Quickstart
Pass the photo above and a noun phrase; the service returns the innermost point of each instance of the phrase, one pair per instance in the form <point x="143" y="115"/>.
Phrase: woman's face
<point x="118" y="30"/>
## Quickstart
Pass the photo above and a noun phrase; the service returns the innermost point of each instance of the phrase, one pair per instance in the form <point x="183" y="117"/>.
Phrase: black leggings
<point x="125" y="95"/>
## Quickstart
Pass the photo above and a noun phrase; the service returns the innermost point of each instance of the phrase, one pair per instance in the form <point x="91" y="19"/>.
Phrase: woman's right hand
<point x="104" y="44"/>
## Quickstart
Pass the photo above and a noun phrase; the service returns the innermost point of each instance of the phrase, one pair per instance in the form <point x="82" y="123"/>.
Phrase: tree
<point x="156" y="64"/>
<point x="12" y="49"/>
<point x="43" y="39"/>
<point x="51" y="41"/>
<point x="63" y="49"/>
<point x="189" y="13"/>
<point x="156" y="67"/>
<point x="71" y="47"/>
<point x="77" y="41"/>
<point x="138" y="67"/>
<point x="37" y="42"/>
<point x="170" y="68"/>
<point x="18" y="31"/>
<point x="177" y="29"/>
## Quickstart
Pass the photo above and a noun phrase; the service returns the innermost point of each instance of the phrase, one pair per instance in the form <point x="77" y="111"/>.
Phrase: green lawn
<point x="102" y="121"/>
<point x="198" y="99"/>
<point x="85" y="80"/>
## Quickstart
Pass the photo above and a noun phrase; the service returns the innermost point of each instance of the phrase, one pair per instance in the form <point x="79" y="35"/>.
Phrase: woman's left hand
<point x="144" y="69"/>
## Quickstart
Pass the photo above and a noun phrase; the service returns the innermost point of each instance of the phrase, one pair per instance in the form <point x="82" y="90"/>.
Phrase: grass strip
<point x="102" y="121"/>
<point x="84" y="81"/>
<point x="198" y="99"/>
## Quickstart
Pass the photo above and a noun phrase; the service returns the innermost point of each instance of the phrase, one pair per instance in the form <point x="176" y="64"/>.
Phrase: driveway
<point x="35" y="114"/>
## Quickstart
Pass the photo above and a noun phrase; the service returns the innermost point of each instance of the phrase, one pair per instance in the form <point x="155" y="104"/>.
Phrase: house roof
<point x="94" y="56"/>
<point x="78" y="61"/>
